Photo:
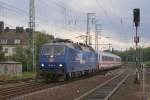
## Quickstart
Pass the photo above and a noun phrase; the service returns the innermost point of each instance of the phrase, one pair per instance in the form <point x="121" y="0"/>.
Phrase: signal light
<point x="136" y="39"/>
<point x="136" y="16"/>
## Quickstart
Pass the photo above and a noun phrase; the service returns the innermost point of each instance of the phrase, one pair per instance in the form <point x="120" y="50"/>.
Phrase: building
<point x="10" y="68"/>
<point x="11" y="38"/>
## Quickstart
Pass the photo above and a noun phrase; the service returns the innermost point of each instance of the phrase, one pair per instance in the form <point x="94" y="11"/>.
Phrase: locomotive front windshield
<point x="53" y="50"/>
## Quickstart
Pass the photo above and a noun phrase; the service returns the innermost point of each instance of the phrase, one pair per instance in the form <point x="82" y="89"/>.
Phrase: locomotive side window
<point x="118" y="59"/>
<point x="107" y="58"/>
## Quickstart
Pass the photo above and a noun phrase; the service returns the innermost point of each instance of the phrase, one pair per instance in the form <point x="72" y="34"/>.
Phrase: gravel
<point x="132" y="91"/>
<point x="68" y="91"/>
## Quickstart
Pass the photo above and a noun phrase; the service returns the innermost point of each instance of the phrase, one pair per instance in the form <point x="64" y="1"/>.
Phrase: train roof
<point x="73" y="46"/>
<point x="108" y="54"/>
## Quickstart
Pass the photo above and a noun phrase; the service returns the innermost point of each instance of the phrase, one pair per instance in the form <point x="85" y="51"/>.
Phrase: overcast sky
<point x="67" y="18"/>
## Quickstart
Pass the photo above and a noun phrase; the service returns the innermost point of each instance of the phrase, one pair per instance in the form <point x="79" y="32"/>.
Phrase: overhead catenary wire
<point x="61" y="25"/>
<point x="55" y="5"/>
<point x="106" y="14"/>
<point x="118" y="28"/>
<point x="121" y="19"/>
<point x="14" y="12"/>
<point x="13" y="8"/>
<point x="18" y="12"/>
<point x="21" y="12"/>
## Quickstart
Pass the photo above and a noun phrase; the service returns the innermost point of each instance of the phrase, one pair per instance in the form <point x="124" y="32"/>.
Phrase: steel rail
<point x="106" y="89"/>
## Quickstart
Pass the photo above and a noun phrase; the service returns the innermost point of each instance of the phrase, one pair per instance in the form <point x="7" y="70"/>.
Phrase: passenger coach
<point x="108" y="60"/>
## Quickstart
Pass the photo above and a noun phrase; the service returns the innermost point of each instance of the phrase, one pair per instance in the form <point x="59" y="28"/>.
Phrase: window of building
<point x="17" y="41"/>
<point x="6" y="50"/>
<point x="3" y="41"/>
<point x="14" y="50"/>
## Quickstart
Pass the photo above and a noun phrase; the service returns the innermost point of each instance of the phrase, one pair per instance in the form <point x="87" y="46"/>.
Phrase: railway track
<point x="26" y="87"/>
<point x="105" y="90"/>
<point x="14" y="81"/>
<point x="8" y="93"/>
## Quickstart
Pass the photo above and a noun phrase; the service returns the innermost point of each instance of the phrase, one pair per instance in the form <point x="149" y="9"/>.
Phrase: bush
<point x="2" y="56"/>
<point x="147" y="63"/>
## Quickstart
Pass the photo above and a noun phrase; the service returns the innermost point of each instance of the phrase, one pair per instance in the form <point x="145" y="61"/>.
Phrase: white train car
<point x="108" y="60"/>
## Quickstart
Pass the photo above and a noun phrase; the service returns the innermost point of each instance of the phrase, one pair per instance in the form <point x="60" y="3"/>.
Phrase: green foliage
<point x="2" y="56"/>
<point x="147" y="63"/>
<point x="42" y="38"/>
<point x="24" y="75"/>
<point x="24" y="55"/>
<point x="143" y="54"/>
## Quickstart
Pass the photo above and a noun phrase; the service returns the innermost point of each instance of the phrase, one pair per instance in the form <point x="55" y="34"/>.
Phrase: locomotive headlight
<point x="52" y="56"/>
<point x="42" y="65"/>
<point x="60" y="65"/>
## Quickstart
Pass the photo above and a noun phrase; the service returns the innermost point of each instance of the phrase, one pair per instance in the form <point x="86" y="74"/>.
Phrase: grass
<point x="147" y="63"/>
<point x="148" y="98"/>
<point x="24" y="75"/>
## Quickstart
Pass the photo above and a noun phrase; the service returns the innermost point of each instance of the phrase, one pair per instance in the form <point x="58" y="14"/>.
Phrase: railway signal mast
<point x="136" y="19"/>
<point x="97" y="32"/>
<point x="90" y="17"/>
<point x="32" y="30"/>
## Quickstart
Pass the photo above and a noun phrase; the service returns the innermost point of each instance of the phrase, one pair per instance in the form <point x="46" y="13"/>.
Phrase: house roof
<point x="11" y="35"/>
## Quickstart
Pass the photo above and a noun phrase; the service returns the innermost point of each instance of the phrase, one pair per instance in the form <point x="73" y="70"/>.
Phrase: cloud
<point x="67" y="18"/>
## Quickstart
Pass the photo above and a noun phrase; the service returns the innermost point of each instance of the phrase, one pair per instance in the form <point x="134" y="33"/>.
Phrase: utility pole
<point x="32" y="30"/>
<point x="88" y="37"/>
<point x="143" y="74"/>
<point x="136" y="16"/>
<point x="109" y="47"/>
<point x="97" y="32"/>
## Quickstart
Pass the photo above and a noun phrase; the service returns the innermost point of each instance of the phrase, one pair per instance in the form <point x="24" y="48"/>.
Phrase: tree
<point x="24" y="55"/>
<point x="41" y="38"/>
<point x="21" y="56"/>
<point x="143" y="54"/>
<point x="2" y="56"/>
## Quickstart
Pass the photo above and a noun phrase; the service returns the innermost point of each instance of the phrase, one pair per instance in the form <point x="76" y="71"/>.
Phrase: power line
<point x="121" y="19"/>
<point x="68" y="17"/>
<point x="105" y="12"/>
<point x="57" y="4"/>
<point x="13" y="8"/>
<point x="62" y="11"/>
<point x="49" y="5"/>
<point x="18" y="12"/>
<point x="65" y="9"/>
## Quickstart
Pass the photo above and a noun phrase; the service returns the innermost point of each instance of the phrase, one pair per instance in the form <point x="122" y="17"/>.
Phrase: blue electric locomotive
<point x="65" y="60"/>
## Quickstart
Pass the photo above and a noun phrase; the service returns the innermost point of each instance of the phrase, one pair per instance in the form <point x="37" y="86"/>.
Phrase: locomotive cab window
<point x="59" y="50"/>
<point x="47" y="50"/>
<point x="53" y="50"/>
